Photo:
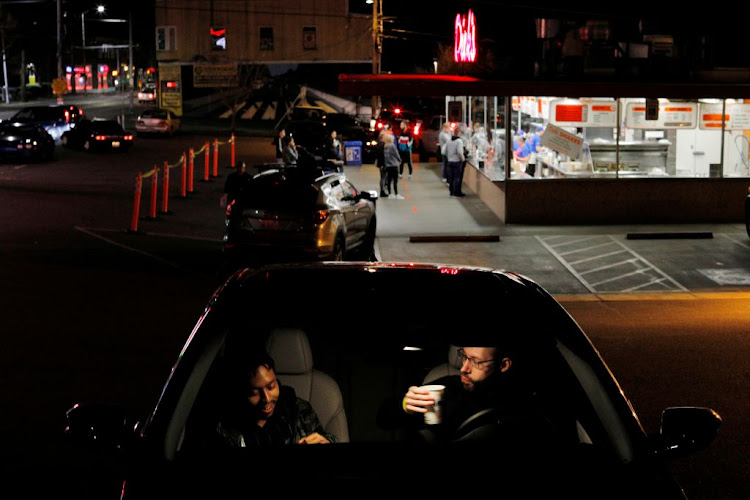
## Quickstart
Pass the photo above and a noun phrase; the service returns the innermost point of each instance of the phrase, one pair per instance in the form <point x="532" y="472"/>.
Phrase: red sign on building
<point x="465" y="40"/>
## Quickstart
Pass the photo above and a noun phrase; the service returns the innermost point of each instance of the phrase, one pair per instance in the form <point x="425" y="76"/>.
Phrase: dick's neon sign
<point x="465" y="40"/>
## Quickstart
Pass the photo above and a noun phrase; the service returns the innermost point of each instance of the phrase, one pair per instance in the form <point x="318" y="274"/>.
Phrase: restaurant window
<point x="266" y="38"/>
<point x="575" y="137"/>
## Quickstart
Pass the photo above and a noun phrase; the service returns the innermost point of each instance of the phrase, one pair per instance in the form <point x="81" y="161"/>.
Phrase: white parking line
<point x="651" y="274"/>
<point x="128" y="248"/>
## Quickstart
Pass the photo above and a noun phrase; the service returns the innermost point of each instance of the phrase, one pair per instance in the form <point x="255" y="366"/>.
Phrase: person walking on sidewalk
<point x="380" y="163"/>
<point x="278" y="144"/>
<point x="443" y="138"/>
<point x="454" y="151"/>
<point x="391" y="157"/>
<point x="405" y="143"/>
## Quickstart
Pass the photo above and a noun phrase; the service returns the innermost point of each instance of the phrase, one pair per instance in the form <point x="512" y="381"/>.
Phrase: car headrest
<point x="290" y="350"/>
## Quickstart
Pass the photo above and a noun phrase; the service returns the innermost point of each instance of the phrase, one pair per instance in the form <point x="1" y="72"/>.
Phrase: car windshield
<point x="155" y="113"/>
<point x="107" y="127"/>
<point x="37" y="114"/>
<point x="370" y="367"/>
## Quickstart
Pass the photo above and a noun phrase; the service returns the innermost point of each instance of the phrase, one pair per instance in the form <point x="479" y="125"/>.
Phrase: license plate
<point x="269" y="224"/>
<point x="115" y="144"/>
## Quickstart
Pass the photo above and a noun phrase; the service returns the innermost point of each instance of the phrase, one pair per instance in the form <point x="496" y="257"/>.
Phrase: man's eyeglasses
<point x="475" y="363"/>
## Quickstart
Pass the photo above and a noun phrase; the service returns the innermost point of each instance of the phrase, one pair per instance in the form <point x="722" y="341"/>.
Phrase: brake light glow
<point x="67" y="116"/>
<point x="448" y="270"/>
<point x="100" y="137"/>
<point x="417" y="128"/>
<point x="320" y="216"/>
<point x="380" y="125"/>
<point x="397" y="111"/>
<point x="128" y="138"/>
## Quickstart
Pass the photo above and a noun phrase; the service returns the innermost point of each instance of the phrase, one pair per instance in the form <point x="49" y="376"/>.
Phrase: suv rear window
<point x="280" y="191"/>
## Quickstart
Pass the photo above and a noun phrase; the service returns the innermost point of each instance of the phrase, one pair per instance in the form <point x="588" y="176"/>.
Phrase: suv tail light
<point x="320" y="216"/>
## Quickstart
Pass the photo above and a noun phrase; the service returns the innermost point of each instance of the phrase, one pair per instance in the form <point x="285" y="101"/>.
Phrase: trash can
<point x="353" y="153"/>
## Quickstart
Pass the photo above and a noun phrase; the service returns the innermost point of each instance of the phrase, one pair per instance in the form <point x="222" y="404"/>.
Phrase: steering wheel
<point x="481" y="425"/>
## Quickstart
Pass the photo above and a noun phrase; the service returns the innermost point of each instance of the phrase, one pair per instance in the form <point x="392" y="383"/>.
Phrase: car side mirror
<point x="685" y="430"/>
<point x="98" y="425"/>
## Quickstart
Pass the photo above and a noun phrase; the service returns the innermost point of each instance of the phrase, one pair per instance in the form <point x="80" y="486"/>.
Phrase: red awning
<point x="429" y="85"/>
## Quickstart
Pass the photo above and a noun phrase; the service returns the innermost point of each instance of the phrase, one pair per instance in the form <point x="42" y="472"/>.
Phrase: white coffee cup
<point x="434" y="413"/>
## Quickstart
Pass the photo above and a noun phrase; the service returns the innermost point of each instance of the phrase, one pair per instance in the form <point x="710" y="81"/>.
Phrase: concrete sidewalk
<point x="562" y="259"/>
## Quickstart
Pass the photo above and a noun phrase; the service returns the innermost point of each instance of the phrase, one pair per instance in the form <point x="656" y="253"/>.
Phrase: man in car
<point x="262" y="412"/>
<point x="488" y="384"/>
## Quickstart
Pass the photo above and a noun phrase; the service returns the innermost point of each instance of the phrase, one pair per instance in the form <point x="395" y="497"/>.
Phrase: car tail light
<point x="320" y="216"/>
<point x="100" y="137"/>
<point x="417" y="128"/>
<point x="128" y="137"/>
<point x="67" y="116"/>
<point x="380" y="125"/>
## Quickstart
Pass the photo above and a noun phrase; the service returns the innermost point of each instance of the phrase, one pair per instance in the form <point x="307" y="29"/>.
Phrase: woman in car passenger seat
<point x="262" y="412"/>
<point x="290" y="152"/>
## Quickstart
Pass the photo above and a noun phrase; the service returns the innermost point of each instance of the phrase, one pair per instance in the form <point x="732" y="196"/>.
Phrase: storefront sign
<point x="737" y="116"/>
<point x="215" y="75"/>
<point x="671" y="115"/>
<point x="465" y="39"/>
<point x="574" y="113"/>
<point x="170" y="98"/>
<point x="561" y="141"/>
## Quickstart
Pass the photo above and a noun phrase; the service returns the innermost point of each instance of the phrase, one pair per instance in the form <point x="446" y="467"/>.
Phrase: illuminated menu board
<point x="574" y="113"/>
<point x="671" y="115"/>
<point x="736" y="116"/>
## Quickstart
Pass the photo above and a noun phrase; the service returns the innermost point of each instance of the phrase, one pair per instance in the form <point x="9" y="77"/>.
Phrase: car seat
<point x="290" y="350"/>
<point x="451" y="367"/>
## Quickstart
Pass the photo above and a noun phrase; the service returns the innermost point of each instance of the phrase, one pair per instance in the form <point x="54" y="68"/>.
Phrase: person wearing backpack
<point x="405" y="142"/>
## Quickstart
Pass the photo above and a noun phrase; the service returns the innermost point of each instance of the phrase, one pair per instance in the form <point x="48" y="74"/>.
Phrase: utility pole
<point x="131" y="69"/>
<point x="377" y="40"/>
<point x="5" y="68"/>
<point x="59" y="39"/>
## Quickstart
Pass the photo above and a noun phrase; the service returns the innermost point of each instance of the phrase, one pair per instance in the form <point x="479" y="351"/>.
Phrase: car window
<point x="374" y="366"/>
<point x="108" y="127"/>
<point x="156" y="113"/>
<point x="279" y="191"/>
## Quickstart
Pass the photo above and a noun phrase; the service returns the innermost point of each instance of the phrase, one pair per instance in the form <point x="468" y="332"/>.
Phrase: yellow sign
<point x="59" y="86"/>
<point x="170" y="98"/>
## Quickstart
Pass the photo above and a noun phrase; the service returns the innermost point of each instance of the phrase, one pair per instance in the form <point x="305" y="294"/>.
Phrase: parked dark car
<point x="309" y="134"/>
<point x="97" y="135"/>
<point x="56" y="119"/>
<point x="342" y="341"/>
<point x="25" y="141"/>
<point x="296" y="213"/>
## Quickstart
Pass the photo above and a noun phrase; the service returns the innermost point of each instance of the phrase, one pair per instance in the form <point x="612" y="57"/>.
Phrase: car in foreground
<point x="56" y="119"/>
<point x="25" y="141"/>
<point x="97" y="135"/>
<point x="299" y="213"/>
<point x="338" y="342"/>
<point x="147" y="94"/>
<point x="157" y="121"/>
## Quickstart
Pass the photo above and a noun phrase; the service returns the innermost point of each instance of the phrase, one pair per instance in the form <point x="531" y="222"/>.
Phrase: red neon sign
<point x="465" y="40"/>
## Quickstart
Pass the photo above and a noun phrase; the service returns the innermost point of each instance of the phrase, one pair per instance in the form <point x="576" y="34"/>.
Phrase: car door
<point x="360" y="212"/>
<point x="347" y="207"/>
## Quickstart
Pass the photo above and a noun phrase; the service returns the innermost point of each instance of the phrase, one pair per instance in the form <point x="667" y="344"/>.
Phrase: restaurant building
<point x="651" y="138"/>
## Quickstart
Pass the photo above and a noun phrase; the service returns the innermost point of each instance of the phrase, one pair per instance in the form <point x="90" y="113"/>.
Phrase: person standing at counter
<point x="454" y="152"/>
